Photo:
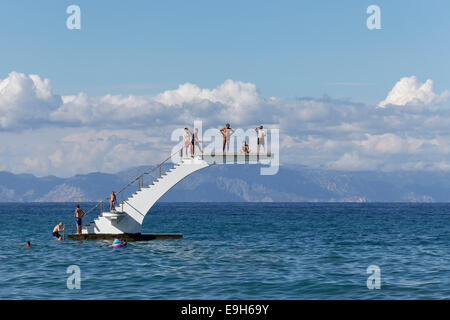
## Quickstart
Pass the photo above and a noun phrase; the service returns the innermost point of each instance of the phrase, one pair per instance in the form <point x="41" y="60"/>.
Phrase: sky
<point x="108" y="96"/>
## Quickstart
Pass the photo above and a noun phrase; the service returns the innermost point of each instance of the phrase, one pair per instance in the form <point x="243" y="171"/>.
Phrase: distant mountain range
<point x="239" y="183"/>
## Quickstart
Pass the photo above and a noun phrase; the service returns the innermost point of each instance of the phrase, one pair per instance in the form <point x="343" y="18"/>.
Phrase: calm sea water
<point x="236" y="251"/>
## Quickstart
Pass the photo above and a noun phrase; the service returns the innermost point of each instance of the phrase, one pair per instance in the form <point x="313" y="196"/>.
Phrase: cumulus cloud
<point x="45" y="133"/>
<point x="235" y="94"/>
<point x="231" y="101"/>
<point x="390" y="143"/>
<point x="353" y="161"/>
<point x="409" y="91"/>
<point x="106" y="150"/>
<point x="26" y="101"/>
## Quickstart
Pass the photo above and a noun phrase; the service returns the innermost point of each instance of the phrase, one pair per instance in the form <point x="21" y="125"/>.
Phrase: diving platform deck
<point x="234" y="158"/>
<point x="129" y="237"/>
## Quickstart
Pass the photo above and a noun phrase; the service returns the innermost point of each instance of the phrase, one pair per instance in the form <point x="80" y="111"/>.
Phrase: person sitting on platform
<point x="57" y="229"/>
<point x="245" y="148"/>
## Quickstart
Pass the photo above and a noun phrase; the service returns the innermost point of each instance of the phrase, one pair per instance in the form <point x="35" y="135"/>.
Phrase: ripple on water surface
<point x="236" y="251"/>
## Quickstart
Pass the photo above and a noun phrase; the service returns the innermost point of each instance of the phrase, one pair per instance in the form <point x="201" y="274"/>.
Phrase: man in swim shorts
<point x="56" y="230"/>
<point x="79" y="215"/>
<point x="112" y="201"/>
<point x="261" y="134"/>
<point x="226" y="133"/>
<point x="195" y="141"/>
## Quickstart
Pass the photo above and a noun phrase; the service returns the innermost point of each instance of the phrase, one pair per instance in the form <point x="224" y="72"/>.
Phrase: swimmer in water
<point x="27" y="244"/>
<point x="118" y="243"/>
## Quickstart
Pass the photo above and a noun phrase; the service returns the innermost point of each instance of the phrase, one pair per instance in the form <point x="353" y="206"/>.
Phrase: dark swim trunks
<point x="78" y="220"/>
<point x="56" y="234"/>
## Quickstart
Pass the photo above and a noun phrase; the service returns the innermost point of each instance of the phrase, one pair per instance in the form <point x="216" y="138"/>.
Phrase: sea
<point x="235" y="251"/>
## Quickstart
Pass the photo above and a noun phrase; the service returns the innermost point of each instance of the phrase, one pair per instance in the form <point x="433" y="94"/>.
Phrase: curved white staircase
<point x="130" y="213"/>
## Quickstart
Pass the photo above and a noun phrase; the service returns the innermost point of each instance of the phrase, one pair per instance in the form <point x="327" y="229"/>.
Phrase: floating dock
<point x="129" y="237"/>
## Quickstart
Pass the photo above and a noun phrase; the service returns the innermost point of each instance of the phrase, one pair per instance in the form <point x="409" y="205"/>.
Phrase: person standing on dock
<point x="79" y="215"/>
<point x="57" y="229"/>
<point x="112" y="202"/>
<point x="195" y="142"/>
<point x="226" y="133"/>
<point x="187" y="140"/>
<point x="261" y="135"/>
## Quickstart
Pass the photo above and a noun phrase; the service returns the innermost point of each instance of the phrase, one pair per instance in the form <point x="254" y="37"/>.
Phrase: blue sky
<point x="108" y="96"/>
<point x="287" y="48"/>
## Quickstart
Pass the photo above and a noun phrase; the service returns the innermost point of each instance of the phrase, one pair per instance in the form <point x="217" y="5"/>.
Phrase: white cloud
<point x="25" y="101"/>
<point x="353" y="161"/>
<point x="235" y="94"/>
<point x="409" y="91"/>
<point x="390" y="143"/>
<point x="235" y="102"/>
<point x="107" y="150"/>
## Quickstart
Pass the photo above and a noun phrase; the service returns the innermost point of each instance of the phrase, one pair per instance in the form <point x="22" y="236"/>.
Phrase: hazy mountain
<point x="239" y="183"/>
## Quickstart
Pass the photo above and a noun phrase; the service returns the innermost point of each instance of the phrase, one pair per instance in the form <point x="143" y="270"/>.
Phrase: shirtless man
<point x="57" y="229"/>
<point x="112" y="201"/>
<point x="226" y="133"/>
<point x="195" y="141"/>
<point x="261" y="134"/>
<point x="245" y="148"/>
<point x="79" y="214"/>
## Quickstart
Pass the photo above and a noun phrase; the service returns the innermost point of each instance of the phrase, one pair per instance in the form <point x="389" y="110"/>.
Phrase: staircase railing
<point x="139" y="179"/>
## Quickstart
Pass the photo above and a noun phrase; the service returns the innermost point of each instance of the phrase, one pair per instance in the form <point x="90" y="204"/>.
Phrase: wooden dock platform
<point x="129" y="237"/>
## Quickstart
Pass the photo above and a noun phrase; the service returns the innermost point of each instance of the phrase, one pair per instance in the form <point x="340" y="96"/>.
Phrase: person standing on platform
<point x="112" y="202"/>
<point x="261" y="137"/>
<point x="79" y="215"/>
<point x="187" y="140"/>
<point x="226" y="133"/>
<point x="195" y="142"/>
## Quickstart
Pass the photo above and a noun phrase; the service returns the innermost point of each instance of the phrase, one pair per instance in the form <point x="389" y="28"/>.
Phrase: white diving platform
<point x="129" y="214"/>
